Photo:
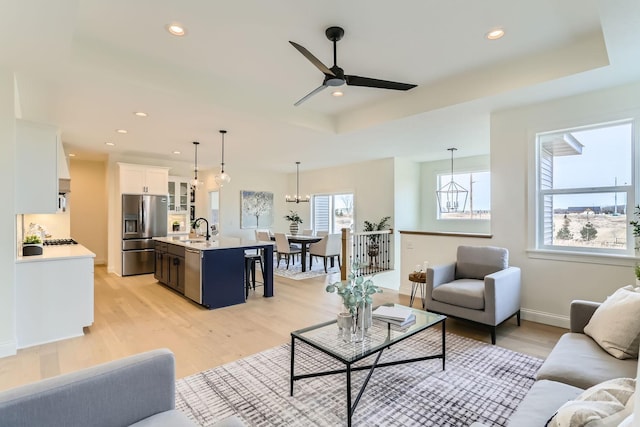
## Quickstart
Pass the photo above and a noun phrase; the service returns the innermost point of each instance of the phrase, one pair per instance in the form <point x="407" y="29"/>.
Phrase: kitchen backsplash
<point x="57" y="225"/>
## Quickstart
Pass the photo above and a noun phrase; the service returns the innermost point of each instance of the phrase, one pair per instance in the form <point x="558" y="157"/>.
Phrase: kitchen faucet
<point x="195" y="225"/>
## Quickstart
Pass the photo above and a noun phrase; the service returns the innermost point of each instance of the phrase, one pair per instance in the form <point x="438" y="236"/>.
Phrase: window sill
<point x="569" y="256"/>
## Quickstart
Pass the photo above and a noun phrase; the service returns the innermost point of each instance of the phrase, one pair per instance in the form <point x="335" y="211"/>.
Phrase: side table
<point x="418" y="280"/>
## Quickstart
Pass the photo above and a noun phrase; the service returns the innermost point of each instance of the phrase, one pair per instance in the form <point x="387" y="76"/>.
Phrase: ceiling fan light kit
<point x="335" y="75"/>
<point x="297" y="198"/>
<point x="222" y="178"/>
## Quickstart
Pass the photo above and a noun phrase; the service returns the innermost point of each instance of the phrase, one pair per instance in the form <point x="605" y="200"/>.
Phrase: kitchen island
<point x="54" y="294"/>
<point x="211" y="273"/>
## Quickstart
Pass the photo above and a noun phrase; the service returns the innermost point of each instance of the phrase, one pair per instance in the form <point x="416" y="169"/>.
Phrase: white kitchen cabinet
<point x="36" y="175"/>
<point x="141" y="179"/>
<point x="54" y="299"/>
<point x="178" y="194"/>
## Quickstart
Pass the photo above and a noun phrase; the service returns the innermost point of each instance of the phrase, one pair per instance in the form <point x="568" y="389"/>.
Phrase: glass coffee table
<point x="381" y="335"/>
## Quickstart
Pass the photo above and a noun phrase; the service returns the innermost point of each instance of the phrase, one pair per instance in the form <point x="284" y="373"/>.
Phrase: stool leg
<point x="246" y="278"/>
<point x="253" y="273"/>
<point x="422" y="292"/>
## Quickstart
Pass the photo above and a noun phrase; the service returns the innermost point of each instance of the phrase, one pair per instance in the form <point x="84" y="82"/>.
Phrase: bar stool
<point x="250" y="260"/>
<point x="418" y="280"/>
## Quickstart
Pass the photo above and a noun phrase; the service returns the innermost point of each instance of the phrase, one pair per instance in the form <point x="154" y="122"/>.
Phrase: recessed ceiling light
<point x="495" y="34"/>
<point x="337" y="93"/>
<point x="140" y="114"/>
<point x="71" y="155"/>
<point x="176" y="29"/>
<point x="121" y="130"/>
<point x="110" y="144"/>
<point x="176" y="152"/>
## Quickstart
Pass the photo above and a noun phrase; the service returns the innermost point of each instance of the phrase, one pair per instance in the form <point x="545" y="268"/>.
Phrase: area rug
<point x="295" y="271"/>
<point x="481" y="382"/>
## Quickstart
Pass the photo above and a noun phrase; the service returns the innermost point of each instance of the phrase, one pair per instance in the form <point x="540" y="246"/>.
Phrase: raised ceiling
<point x="86" y="66"/>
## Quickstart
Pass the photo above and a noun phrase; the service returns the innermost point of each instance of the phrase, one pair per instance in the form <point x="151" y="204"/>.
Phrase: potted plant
<point x="373" y="248"/>
<point x="294" y="219"/>
<point x="357" y="297"/>
<point x="31" y="245"/>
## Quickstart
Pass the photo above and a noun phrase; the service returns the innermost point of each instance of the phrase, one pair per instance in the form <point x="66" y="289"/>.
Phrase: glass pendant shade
<point x="194" y="181"/>
<point x="452" y="197"/>
<point x="222" y="178"/>
<point x="296" y="198"/>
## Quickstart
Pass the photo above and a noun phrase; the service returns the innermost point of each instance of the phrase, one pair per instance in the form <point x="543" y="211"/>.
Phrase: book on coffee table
<point x="395" y="314"/>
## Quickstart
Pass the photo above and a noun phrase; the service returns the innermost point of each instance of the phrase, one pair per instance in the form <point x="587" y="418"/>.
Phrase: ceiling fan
<point x="335" y="75"/>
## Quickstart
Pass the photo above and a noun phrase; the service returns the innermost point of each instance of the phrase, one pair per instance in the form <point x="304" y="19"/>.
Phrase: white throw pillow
<point x="615" y="325"/>
<point x="603" y="405"/>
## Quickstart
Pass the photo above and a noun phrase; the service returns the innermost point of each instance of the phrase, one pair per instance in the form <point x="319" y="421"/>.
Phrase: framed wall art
<point x="256" y="210"/>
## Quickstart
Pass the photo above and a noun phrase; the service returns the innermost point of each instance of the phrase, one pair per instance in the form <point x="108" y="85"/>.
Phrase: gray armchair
<point x="480" y="286"/>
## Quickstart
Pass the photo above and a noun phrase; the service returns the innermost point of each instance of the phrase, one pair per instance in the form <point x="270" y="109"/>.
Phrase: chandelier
<point x="296" y="197"/>
<point x="194" y="181"/>
<point x="452" y="196"/>
<point x="222" y="178"/>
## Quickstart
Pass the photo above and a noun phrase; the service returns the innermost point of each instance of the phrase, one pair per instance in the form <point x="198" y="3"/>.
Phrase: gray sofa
<point x="575" y="364"/>
<point x="135" y="391"/>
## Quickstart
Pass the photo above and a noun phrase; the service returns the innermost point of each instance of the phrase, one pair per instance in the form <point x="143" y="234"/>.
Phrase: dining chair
<point x="328" y="248"/>
<point x="322" y="233"/>
<point x="307" y="232"/>
<point x="263" y="236"/>
<point x="284" y="249"/>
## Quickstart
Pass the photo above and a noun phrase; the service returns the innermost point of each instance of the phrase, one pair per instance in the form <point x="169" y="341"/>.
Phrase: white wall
<point x="549" y="285"/>
<point x="7" y="218"/>
<point x="247" y="179"/>
<point x="88" y="206"/>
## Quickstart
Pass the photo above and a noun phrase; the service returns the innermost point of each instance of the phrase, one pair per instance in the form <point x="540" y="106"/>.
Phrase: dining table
<point x="304" y="242"/>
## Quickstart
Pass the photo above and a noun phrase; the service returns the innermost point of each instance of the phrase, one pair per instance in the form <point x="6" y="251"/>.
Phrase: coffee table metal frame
<point x="324" y="337"/>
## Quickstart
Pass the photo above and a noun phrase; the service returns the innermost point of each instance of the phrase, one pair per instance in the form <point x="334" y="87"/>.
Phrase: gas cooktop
<point x="59" y="242"/>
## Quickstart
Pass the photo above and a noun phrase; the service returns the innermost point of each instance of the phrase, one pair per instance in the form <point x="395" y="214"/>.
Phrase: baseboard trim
<point x="545" y="318"/>
<point x="8" y="348"/>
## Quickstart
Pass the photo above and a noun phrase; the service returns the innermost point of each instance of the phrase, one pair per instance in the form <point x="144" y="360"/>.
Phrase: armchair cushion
<point x="475" y="262"/>
<point x="467" y="293"/>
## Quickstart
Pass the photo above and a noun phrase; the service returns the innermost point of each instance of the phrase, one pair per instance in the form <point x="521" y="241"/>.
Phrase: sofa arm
<point x="580" y="313"/>
<point x="117" y="393"/>
<point x="440" y="274"/>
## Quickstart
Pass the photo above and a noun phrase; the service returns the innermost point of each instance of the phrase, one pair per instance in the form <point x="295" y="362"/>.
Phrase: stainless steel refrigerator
<point x="143" y="218"/>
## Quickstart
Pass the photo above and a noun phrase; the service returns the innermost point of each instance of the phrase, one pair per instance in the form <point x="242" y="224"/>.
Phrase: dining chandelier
<point x="452" y="196"/>
<point x="296" y="197"/>
<point x="222" y="178"/>
<point x="194" y="181"/>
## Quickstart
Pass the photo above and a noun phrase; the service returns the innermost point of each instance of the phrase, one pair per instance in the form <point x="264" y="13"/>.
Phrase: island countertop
<point x="217" y="242"/>
<point x="52" y="253"/>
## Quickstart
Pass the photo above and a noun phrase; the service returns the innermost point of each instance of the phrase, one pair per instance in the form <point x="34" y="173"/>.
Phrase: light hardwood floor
<point x="135" y="314"/>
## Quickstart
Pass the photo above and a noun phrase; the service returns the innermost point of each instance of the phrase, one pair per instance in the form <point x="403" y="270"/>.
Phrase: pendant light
<point x="194" y="181"/>
<point x="296" y="198"/>
<point x="222" y="178"/>
<point x="452" y="196"/>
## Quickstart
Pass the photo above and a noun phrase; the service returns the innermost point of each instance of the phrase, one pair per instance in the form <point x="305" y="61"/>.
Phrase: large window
<point x="332" y="212"/>
<point x="478" y="201"/>
<point x="585" y="189"/>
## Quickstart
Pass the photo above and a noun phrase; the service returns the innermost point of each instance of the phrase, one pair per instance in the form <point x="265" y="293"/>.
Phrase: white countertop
<point x="51" y="253"/>
<point x="217" y="242"/>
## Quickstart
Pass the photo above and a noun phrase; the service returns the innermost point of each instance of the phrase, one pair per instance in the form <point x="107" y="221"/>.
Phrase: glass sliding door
<point x="332" y="212"/>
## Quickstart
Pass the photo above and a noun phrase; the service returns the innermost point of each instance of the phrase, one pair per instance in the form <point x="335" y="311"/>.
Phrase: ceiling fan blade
<point x="315" y="61"/>
<point x="382" y="84"/>
<point x="310" y="94"/>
